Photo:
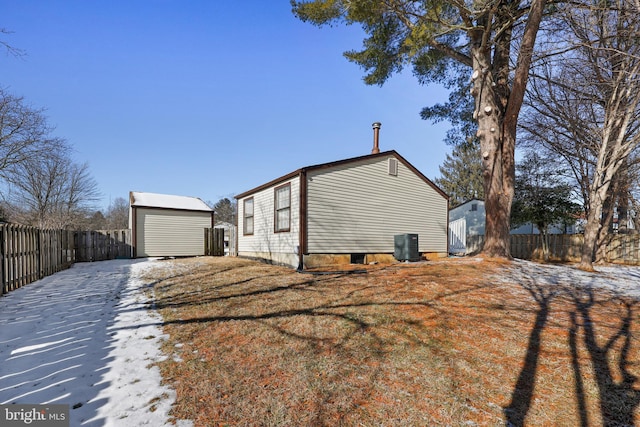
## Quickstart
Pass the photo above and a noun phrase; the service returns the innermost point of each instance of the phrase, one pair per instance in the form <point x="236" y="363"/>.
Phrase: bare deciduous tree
<point x="23" y="133"/>
<point x="616" y="67"/>
<point x="42" y="185"/>
<point x="52" y="191"/>
<point x="586" y="106"/>
<point x="7" y="47"/>
<point x="118" y="214"/>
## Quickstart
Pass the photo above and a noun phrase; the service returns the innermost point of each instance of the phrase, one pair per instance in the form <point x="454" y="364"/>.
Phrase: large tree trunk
<point x="498" y="196"/>
<point x="605" y="231"/>
<point x="606" y="220"/>
<point x="544" y="235"/>
<point x="591" y="232"/>
<point x="497" y="106"/>
<point x="597" y="198"/>
<point x="622" y="198"/>
<point x="499" y="190"/>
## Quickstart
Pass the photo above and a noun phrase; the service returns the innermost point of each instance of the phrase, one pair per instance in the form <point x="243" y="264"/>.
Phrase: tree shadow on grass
<point x="618" y="396"/>
<point x="522" y="395"/>
<point x="368" y="320"/>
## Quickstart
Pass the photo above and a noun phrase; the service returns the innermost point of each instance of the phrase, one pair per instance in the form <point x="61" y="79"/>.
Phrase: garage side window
<point x="283" y="208"/>
<point x="247" y="209"/>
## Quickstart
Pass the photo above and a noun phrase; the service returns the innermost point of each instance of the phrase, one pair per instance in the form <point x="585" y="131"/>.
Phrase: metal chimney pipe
<point x="376" y="137"/>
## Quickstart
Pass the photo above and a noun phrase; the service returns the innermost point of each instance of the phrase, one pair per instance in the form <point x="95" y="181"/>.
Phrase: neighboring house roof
<point x="167" y="201"/>
<point x="467" y="202"/>
<point x="342" y="162"/>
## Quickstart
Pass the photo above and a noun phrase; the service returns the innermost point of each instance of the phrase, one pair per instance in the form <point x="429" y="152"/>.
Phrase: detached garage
<point x="167" y="225"/>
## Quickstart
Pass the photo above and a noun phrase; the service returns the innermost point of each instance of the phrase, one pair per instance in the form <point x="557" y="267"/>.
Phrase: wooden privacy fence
<point x="28" y="254"/>
<point x="214" y="241"/>
<point x="101" y="245"/>
<point x="620" y="248"/>
<point x="563" y="247"/>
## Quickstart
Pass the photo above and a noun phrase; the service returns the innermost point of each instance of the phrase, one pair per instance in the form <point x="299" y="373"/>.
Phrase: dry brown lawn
<point x="434" y="343"/>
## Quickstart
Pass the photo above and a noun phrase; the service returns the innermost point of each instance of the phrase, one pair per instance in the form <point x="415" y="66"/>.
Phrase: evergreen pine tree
<point x="461" y="175"/>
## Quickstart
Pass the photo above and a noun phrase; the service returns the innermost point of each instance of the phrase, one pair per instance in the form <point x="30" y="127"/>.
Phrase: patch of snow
<point x="619" y="279"/>
<point x="86" y="337"/>
<point x="154" y="200"/>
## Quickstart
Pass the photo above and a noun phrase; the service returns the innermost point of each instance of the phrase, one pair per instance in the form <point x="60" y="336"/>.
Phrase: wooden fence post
<point x="3" y="251"/>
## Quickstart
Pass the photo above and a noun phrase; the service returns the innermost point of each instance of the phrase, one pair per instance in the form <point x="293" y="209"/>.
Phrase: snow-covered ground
<point x="86" y="337"/>
<point x="621" y="280"/>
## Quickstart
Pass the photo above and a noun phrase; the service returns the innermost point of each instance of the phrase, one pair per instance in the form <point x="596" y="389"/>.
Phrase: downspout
<point x="302" y="235"/>
<point x="236" y="231"/>
<point x="448" y="242"/>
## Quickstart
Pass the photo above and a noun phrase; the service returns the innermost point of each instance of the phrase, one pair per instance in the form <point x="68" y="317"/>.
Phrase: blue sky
<point x="206" y="98"/>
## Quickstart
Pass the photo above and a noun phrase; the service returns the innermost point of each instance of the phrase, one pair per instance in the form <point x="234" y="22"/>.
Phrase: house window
<point x="248" y="216"/>
<point x="283" y="208"/>
<point x="474" y="207"/>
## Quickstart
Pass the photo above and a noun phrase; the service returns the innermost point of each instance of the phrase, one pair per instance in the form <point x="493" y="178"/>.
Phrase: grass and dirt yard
<point x="451" y="342"/>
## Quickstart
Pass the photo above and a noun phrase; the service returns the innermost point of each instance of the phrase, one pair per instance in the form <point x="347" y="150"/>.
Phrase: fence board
<point x="101" y="245"/>
<point x="214" y="241"/>
<point x="619" y="249"/>
<point x="28" y="254"/>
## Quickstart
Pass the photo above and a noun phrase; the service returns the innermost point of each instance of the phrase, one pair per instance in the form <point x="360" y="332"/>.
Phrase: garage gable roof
<point x="167" y="201"/>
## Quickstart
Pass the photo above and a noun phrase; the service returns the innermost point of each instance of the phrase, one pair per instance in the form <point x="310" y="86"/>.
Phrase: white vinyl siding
<point x="475" y="218"/>
<point x="163" y="232"/>
<point x="359" y="207"/>
<point x="265" y="242"/>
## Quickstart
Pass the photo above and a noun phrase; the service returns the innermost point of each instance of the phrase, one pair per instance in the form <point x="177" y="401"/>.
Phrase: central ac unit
<point x="406" y="247"/>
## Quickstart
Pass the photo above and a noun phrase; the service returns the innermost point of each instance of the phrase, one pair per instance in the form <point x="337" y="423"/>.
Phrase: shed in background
<point x="167" y="225"/>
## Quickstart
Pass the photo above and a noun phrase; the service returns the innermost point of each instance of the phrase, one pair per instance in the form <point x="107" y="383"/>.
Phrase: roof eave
<point x="341" y="162"/>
